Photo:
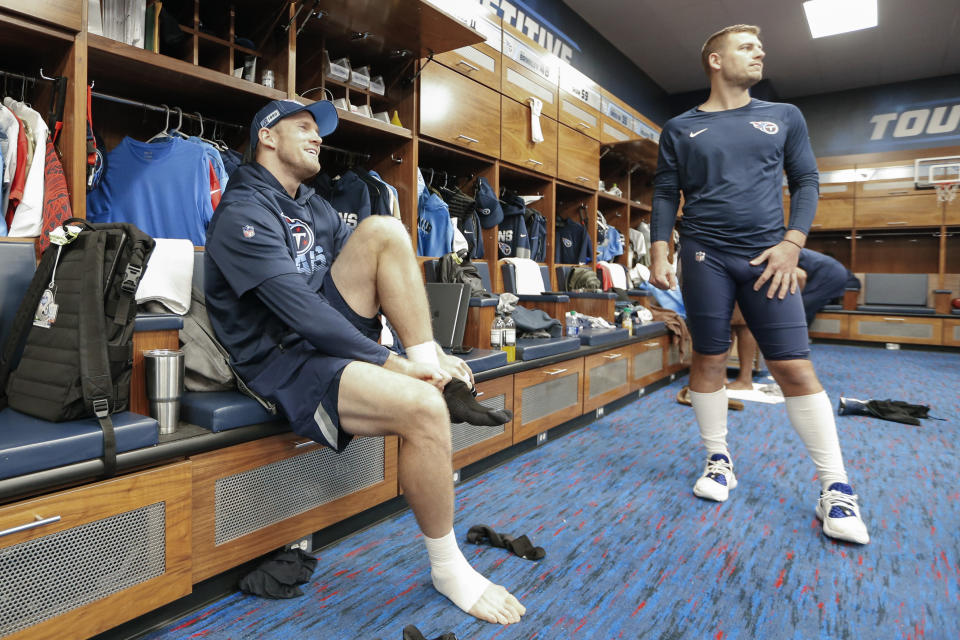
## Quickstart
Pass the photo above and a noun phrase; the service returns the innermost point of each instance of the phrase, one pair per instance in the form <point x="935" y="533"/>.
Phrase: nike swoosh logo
<point x="694" y="134"/>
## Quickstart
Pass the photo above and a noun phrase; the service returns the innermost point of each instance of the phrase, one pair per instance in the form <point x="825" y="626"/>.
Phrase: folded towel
<point x="529" y="281"/>
<point x="169" y="275"/>
<point x="617" y="274"/>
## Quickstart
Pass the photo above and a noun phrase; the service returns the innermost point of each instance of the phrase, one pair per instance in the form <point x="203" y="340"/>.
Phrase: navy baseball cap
<point x="487" y="205"/>
<point x="323" y="112"/>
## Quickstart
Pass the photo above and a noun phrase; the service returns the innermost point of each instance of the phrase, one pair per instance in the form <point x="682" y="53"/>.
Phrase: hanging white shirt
<point x="11" y="128"/>
<point x="28" y="218"/>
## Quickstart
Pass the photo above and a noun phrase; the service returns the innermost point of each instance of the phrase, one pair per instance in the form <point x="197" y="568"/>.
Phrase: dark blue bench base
<point x="31" y="444"/>
<point x="533" y="348"/>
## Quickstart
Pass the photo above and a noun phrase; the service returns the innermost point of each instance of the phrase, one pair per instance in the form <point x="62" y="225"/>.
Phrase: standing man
<point x="295" y="298"/>
<point x="728" y="156"/>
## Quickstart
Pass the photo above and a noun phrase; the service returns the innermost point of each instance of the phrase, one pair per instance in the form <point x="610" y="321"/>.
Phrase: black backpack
<point x="456" y="268"/>
<point x="78" y="353"/>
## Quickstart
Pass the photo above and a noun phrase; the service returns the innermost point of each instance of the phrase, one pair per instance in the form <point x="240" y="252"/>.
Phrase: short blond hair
<point x="716" y="41"/>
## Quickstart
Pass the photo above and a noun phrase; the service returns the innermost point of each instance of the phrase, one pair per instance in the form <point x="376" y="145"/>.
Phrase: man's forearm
<point x="659" y="252"/>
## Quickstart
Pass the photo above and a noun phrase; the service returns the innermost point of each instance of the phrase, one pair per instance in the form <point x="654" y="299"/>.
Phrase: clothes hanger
<point x="163" y="135"/>
<point x="180" y="124"/>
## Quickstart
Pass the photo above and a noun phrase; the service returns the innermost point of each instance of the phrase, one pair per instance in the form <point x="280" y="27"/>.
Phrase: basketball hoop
<point x="946" y="191"/>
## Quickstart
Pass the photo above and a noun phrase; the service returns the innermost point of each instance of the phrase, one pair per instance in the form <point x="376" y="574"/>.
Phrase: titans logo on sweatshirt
<point x="310" y="257"/>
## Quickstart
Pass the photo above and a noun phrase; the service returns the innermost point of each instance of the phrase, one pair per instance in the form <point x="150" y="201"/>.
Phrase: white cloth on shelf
<point x="617" y="274"/>
<point x="529" y="280"/>
<point x="536" y="108"/>
<point x="169" y="275"/>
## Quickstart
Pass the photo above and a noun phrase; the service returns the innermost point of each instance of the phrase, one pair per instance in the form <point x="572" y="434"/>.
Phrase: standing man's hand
<point x="781" y="269"/>
<point x="661" y="275"/>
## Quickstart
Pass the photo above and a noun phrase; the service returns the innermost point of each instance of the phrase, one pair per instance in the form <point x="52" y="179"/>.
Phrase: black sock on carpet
<point x="465" y="408"/>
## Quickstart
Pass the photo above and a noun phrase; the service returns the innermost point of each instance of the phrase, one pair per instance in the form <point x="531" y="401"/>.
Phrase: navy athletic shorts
<point x="306" y="385"/>
<point x="712" y="281"/>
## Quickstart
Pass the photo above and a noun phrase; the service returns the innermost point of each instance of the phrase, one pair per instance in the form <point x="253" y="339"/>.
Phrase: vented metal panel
<point x="673" y="354"/>
<point x="545" y="398"/>
<point x="647" y="362"/>
<point x="254" y="499"/>
<point x="827" y="325"/>
<point x="46" y="577"/>
<point x="956" y="332"/>
<point x="896" y="329"/>
<point x="465" y="434"/>
<point x="607" y="376"/>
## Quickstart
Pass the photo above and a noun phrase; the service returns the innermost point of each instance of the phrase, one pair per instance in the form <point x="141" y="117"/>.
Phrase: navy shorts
<point x="305" y="385"/>
<point x="712" y="281"/>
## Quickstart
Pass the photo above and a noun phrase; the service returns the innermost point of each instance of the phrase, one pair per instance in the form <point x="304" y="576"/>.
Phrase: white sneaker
<point x="838" y="509"/>
<point x="717" y="479"/>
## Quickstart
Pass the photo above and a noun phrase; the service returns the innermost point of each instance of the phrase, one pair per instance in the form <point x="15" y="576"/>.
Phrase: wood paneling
<point x="577" y="158"/>
<point x="521" y="381"/>
<point x="489" y="389"/>
<point x="84" y="505"/>
<point x="210" y="558"/>
<point x="951" y="332"/>
<point x="145" y="341"/>
<point x="516" y="146"/>
<point x="895" y="253"/>
<point x="833" y="213"/>
<point x="459" y="111"/>
<point x="62" y="13"/>
<point x="592" y="399"/>
<point x="898" y="212"/>
<point x="481" y="62"/>
<point x="519" y="81"/>
<point x="479" y="322"/>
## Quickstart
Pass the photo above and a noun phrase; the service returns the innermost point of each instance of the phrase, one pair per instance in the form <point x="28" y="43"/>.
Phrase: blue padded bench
<point x="480" y="360"/>
<point x="29" y="444"/>
<point x="157" y="322"/>
<point x="900" y="293"/>
<point x="593" y="337"/>
<point x="955" y="312"/>
<point x="533" y="348"/>
<point x="649" y="330"/>
<point x="222" y="410"/>
<point x="431" y="274"/>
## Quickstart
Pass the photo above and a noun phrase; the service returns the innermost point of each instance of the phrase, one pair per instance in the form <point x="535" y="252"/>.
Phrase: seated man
<point x="295" y="298"/>
<point x="820" y="278"/>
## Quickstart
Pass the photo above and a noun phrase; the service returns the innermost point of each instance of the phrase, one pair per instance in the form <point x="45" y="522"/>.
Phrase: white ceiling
<point x="915" y="39"/>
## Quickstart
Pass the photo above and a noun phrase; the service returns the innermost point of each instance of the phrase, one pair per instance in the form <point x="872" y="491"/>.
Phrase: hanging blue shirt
<point x="573" y="243"/>
<point x="513" y="236"/>
<point x="163" y="188"/>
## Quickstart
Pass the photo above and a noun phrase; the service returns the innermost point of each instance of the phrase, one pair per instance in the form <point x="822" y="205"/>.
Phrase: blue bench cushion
<point x="832" y="307"/>
<point x="29" y="444"/>
<point x="484" y="302"/>
<point x="649" y="330"/>
<point x="533" y="348"/>
<point x="480" y="360"/>
<point x="158" y="322"/>
<point x="222" y="410"/>
<point x="593" y="337"/>
<point x="897" y="309"/>
<point x="955" y="312"/>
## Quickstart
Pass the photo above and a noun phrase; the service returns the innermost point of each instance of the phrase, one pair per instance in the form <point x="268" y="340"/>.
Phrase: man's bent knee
<point x="425" y="416"/>
<point x="383" y="228"/>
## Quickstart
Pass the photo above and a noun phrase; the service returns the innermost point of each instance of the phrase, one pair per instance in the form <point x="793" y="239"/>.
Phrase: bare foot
<point x="740" y="385"/>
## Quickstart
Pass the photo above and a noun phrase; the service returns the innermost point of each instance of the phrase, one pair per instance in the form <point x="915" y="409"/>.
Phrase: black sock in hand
<point x="465" y="408"/>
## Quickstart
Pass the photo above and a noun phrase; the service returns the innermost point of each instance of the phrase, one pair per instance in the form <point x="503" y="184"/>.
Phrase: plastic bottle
<point x="496" y="333"/>
<point x="510" y="338"/>
<point x="628" y="321"/>
<point x="573" y="323"/>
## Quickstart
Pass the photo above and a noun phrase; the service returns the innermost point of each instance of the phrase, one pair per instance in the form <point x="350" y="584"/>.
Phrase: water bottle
<point x="496" y="333"/>
<point x="573" y="323"/>
<point x="510" y="338"/>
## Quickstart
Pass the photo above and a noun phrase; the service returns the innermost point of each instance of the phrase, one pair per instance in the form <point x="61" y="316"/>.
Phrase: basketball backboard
<point x="929" y="172"/>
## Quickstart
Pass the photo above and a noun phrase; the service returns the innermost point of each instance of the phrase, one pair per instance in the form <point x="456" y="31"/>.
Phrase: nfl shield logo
<point x="248" y="231"/>
<point x="699" y="256"/>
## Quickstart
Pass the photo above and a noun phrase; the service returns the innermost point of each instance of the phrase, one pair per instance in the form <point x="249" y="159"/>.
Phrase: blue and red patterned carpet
<point x="631" y="553"/>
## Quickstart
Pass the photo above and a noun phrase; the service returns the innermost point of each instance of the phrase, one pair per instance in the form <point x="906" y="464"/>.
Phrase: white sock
<point x="711" y="410"/>
<point x="425" y="353"/>
<point x="451" y="573"/>
<point x="812" y="417"/>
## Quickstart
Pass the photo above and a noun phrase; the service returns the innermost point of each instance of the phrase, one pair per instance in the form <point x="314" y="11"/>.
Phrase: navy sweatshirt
<point x="267" y="255"/>
<point x="729" y="165"/>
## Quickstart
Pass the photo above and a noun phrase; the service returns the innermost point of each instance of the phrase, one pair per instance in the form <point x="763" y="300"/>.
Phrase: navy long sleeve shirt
<point x="729" y="165"/>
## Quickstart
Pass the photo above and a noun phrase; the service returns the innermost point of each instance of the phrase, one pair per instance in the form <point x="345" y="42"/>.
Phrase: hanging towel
<point x="529" y="281"/>
<point x="169" y="275"/>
